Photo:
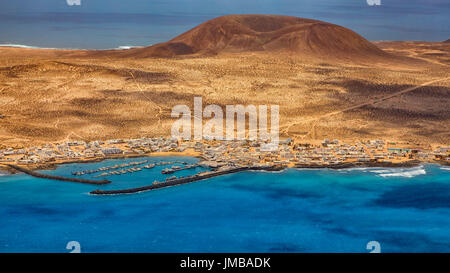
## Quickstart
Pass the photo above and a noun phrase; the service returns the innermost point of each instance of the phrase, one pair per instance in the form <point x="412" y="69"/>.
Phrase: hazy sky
<point x="111" y="23"/>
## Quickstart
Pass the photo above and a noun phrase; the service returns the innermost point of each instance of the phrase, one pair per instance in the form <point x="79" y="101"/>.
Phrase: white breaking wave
<point x="401" y="172"/>
<point x="391" y="172"/>
<point x="24" y="46"/>
<point x="445" y="168"/>
<point x="379" y="171"/>
<point x="352" y="169"/>
<point x="37" y="47"/>
<point x="126" y="47"/>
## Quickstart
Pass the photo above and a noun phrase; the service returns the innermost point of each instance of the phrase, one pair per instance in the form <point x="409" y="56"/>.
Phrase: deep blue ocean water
<point x="405" y="210"/>
<point x="102" y="24"/>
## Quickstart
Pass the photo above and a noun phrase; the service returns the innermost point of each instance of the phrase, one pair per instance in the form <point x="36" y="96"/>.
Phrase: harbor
<point x="136" y="166"/>
<point x="218" y="157"/>
<point x="289" y="153"/>
<point x="185" y="180"/>
<point x="110" y="168"/>
<point x="174" y="169"/>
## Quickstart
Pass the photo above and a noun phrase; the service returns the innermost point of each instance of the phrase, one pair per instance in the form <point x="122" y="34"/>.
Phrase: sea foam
<point x="24" y="46"/>
<point x="401" y="172"/>
<point x="37" y="47"/>
<point x="126" y="47"/>
<point x="362" y="169"/>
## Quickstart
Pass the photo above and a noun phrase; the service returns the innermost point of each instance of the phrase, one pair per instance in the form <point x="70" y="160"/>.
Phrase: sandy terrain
<point x="55" y="95"/>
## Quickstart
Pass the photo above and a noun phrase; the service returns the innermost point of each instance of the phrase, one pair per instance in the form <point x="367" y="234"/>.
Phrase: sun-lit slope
<point x="270" y="33"/>
<point x="317" y="72"/>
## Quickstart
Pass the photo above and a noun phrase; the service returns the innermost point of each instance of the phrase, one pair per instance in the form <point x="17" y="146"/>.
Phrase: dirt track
<point x="373" y="101"/>
<point x="48" y="96"/>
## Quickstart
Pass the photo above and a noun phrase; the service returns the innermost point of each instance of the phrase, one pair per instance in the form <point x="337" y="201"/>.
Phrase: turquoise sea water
<point x="405" y="210"/>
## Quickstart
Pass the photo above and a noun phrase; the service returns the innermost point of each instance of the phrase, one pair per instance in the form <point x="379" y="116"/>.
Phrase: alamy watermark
<point x="374" y="247"/>
<point x="373" y="2"/>
<point x="229" y="126"/>
<point x="73" y="2"/>
<point x="74" y="246"/>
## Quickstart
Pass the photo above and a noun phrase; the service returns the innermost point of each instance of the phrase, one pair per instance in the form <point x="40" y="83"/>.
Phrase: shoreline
<point x="349" y="165"/>
<point x="6" y="170"/>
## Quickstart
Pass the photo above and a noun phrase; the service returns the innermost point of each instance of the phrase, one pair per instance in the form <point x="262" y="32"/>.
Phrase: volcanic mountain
<point x="269" y="33"/>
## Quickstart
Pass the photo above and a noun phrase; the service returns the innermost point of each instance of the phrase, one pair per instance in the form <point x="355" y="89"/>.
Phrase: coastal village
<point x="236" y="153"/>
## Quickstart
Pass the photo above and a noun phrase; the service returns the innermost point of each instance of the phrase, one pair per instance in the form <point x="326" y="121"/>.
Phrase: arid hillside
<point x="265" y="33"/>
<point x="56" y="95"/>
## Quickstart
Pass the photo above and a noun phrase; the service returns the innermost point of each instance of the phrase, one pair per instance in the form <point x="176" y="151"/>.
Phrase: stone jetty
<point x="59" y="178"/>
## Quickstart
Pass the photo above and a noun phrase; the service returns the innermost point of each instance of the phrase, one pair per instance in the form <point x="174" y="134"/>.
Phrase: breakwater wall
<point x="183" y="180"/>
<point x="59" y="178"/>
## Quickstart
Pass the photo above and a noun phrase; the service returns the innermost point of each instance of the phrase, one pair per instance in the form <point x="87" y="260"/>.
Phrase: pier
<point x="125" y="171"/>
<point x="110" y="167"/>
<point x="177" y="168"/>
<point x="59" y="178"/>
<point x="124" y="165"/>
<point x="183" y="180"/>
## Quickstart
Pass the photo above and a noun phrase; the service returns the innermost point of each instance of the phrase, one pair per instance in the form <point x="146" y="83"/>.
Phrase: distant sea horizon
<point x="53" y="24"/>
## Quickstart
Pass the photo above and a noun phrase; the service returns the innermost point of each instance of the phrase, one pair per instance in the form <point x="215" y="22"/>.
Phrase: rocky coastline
<point x="406" y="164"/>
<point x="6" y="170"/>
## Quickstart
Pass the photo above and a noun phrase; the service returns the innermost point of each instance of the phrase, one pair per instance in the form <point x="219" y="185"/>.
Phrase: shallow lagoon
<point x="406" y="210"/>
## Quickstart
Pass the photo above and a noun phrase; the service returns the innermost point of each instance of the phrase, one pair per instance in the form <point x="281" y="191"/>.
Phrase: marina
<point x="110" y="168"/>
<point x="174" y="181"/>
<point x="119" y="169"/>
<point x="216" y="153"/>
<point x="174" y="169"/>
<point x="125" y="171"/>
